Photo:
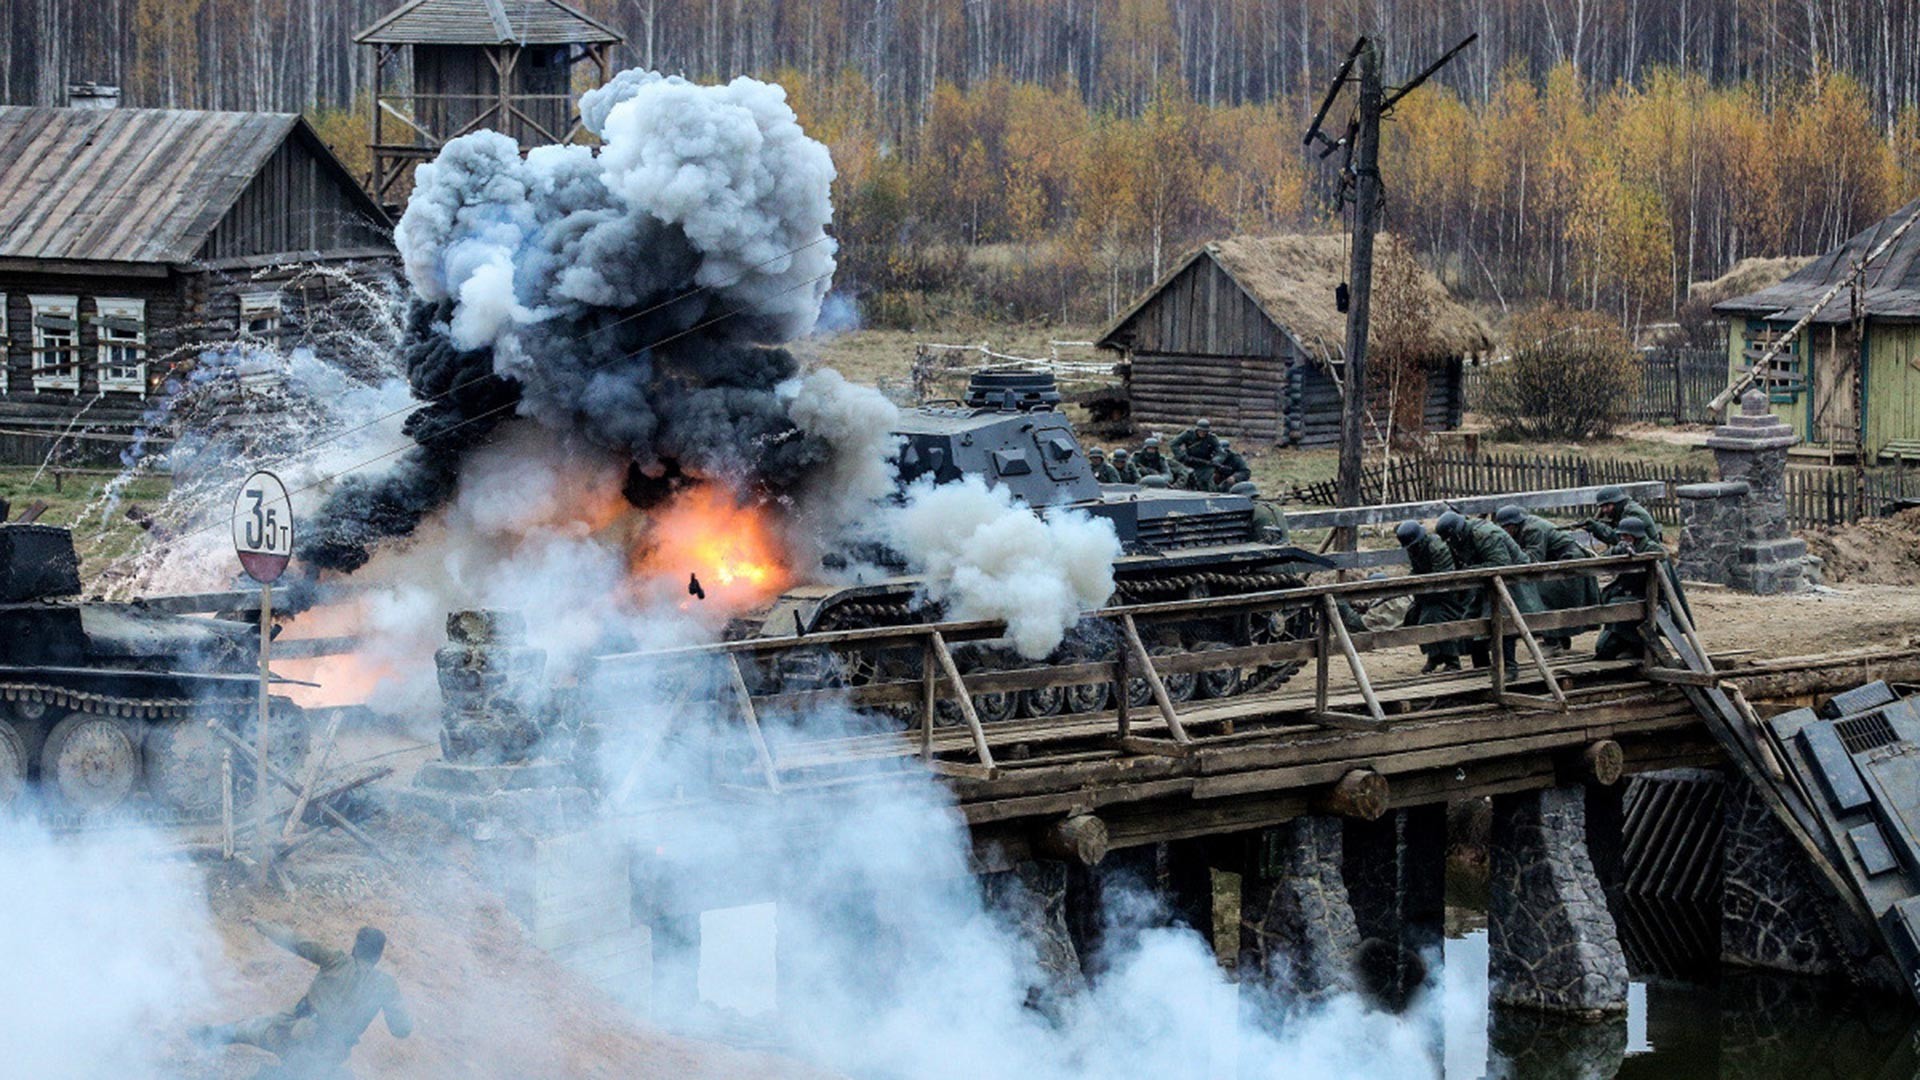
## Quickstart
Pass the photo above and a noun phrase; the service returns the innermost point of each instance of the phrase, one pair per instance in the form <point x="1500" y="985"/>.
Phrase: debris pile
<point x="1879" y="551"/>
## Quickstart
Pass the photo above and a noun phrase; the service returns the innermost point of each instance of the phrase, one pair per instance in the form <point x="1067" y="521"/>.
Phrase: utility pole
<point x="1366" y="215"/>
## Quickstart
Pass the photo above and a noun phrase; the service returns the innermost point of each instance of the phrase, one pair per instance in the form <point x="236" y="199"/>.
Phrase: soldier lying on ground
<point x="315" y="1037"/>
<point x="1229" y="468"/>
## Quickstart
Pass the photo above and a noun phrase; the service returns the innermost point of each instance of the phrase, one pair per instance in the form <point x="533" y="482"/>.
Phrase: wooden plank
<point x="744" y="702"/>
<point x="962" y="697"/>
<point x="1526" y="637"/>
<point x="1471" y="504"/>
<point x="1332" y="613"/>
<point x="1152" y="677"/>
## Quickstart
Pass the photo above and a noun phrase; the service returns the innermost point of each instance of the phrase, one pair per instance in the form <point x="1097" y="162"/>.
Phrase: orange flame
<point x="732" y="549"/>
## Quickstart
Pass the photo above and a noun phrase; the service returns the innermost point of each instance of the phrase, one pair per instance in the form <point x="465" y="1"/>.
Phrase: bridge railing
<point x="754" y="678"/>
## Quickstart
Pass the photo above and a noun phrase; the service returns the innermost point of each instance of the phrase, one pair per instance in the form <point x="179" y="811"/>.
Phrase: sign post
<point x="263" y="538"/>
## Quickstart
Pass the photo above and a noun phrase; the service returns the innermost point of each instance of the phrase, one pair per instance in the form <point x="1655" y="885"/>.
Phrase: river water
<point x="1746" y="1025"/>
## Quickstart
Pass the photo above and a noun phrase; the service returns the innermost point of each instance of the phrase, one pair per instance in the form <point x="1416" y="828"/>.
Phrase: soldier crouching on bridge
<point x="1543" y="541"/>
<point x="1477" y="542"/>
<point x="1616" y="508"/>
<point x="1428" y="554"/>
<point x="314" y="1039"/>
<point x="1626" y="641"/>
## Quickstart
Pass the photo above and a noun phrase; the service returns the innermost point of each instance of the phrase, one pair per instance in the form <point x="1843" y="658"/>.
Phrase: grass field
<point x="68" y="497"/>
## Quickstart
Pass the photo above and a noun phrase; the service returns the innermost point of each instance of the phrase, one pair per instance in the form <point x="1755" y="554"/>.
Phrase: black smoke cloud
<point x="631" y="295"/>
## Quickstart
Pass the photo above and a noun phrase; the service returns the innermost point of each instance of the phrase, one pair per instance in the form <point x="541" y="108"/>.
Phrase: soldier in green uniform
<point x="1102" y="471"/>
<point x="1615" y="508"/>
<point x="1428" y="554"/>
<point x="1543" y="541"/>
<point x="315" y="1037"/>
<point x="1196" y="448"/>
<point x="1150" y="459"/>
<point x="1123" y="464"/>
<point x="1269" y="521"/>
<point x="1477" y="542"/>
<point x="1229" y="468"/>
<point x="1621" y="641"/>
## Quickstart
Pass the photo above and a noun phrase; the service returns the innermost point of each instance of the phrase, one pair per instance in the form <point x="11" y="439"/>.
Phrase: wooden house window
<point x="122" y="333"/>
<point x="56" y="342"/>
<point x="260" y="316"/>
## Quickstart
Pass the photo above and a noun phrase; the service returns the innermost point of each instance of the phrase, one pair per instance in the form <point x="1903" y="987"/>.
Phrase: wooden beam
<point x="1361" y="794"/>
<point x="744" y="702"/>
<point x="962" y="698"/>
<point x="1331" y="609"/>
<point x="1076" y="838"/>
<point x="1154" y="683"/>
<point x="1394" y="513"/>
<point x="1526" y="637"/>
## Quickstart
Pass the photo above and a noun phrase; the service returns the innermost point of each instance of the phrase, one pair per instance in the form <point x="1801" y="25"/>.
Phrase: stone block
<point x="1552" y="943"/>
<point x="1033" y="898"/>
<point x="485" y="627"/>
<point x="1298" y="934"/>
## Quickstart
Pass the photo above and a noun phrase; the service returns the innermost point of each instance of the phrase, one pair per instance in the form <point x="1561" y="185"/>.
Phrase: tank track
<point x="141" y="807"/>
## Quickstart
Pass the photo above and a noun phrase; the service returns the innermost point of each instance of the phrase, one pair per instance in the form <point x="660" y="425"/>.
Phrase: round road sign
<point x="263" y="527"/>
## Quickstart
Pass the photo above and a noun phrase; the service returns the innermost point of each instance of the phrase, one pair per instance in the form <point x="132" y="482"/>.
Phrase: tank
<point x="1176" y="544"/>
<point x="105" y="704"/>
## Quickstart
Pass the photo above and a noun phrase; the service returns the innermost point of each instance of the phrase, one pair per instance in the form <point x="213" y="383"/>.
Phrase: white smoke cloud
<point x="857" y="424"/>
<point x="105" y="938"/>
<point x="987" y="556"/>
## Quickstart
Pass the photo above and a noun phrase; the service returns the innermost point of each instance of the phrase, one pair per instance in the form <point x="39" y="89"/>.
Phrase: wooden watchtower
<point x="444" y="68"/>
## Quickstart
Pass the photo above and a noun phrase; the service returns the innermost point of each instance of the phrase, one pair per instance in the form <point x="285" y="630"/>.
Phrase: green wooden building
<point x="1840" y="394"/>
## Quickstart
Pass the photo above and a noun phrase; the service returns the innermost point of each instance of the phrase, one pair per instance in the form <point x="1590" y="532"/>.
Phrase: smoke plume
<point x="630" y="296"/>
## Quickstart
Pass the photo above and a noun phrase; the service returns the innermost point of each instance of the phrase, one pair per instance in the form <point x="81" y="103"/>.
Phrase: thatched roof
<point x="1292" y="279"/>
<point x="1747" y="275"/>
<point x="1893" y="281"/>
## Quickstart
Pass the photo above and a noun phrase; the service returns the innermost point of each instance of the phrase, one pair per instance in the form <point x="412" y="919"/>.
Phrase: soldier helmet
<point x="1120" y="453"/>
<point x="1152" y="440"/>
<point x="1450" y="523"/>
<point x="1634" y="527"/>
<point x="1509" y="515"/>
<point x="1408" y="532"/>
<point x="1244" y="487"/>
<point x="1097" y="452"/>
<point x="368" y="944"/>
<point x="1154" y="480"/>
<point x="1203" y="424"/>
<point x="1610" y="494"/>
<point x="1225" y="443"/>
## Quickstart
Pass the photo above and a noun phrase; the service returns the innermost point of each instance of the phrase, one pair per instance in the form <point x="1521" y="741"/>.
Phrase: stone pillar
<point x="1551" y="940"/>
<point x="1033" y="898"/>
<point x="1395" y="873"/>
<point x="493" y="722"/>
<point x="1297" y="930"/>
<point x="1736" y="538"/>
<point x="1773" y="915"/>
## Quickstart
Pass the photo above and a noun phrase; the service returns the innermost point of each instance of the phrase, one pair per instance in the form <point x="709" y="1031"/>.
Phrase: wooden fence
<point x="1816" y="497"/>
<point x="1676" y="385"/>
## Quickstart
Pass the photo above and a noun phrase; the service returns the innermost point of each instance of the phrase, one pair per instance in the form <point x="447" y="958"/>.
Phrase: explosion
<point x="705" y="534"/>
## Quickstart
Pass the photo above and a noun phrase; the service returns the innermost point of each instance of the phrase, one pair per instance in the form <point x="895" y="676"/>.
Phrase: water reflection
<point x="1747" y="1026"/>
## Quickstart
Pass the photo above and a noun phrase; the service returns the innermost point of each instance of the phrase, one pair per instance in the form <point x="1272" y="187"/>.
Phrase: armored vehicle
<point x="1175" y="545"/>
<point x="105" y="702"/>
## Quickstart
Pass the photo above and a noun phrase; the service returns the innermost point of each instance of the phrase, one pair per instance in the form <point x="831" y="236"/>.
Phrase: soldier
<point x="1477" y="542"/>
<point x="1102" y="471"/>
<point x="1621" y="641"/>
<point x="1150" y="459"/>
<point x="1229" y="468"/>
<point x="1269" y="521"/>
<point x="1123" y="464"/>
<point x="1196" y="448"/>
<point x="1615" y="508"/>
<point x="1543" y="541"/>
<point x="1428" y="554"/>
<point x="315" y="1037"/>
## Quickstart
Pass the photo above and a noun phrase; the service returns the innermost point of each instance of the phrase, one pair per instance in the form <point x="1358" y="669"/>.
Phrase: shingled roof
<point x="1892" y="282"/>
<point x="487" y="22"/>
<point x="131" y="185"/>
<point x="1291" y="278"/>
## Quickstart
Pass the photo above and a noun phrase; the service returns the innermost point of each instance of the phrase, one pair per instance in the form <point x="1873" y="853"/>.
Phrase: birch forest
<point x="1047" y="158"/>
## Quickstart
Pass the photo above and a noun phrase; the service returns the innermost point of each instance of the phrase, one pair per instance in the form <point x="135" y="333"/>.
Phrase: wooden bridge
<point x="1165" y="762"/>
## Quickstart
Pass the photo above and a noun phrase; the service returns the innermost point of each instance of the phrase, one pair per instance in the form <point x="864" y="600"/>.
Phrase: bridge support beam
<point x="1033" y="898"/>
<point x="1395" y="873"/>
<point x="1552" y="944"/>
<point x="1773" y="914"/>
<point x="1297" y="929"/>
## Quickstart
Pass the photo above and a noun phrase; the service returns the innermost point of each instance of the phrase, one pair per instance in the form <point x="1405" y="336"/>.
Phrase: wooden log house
<point x="133" y="239"/>
<point x="1245" y="332"/>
